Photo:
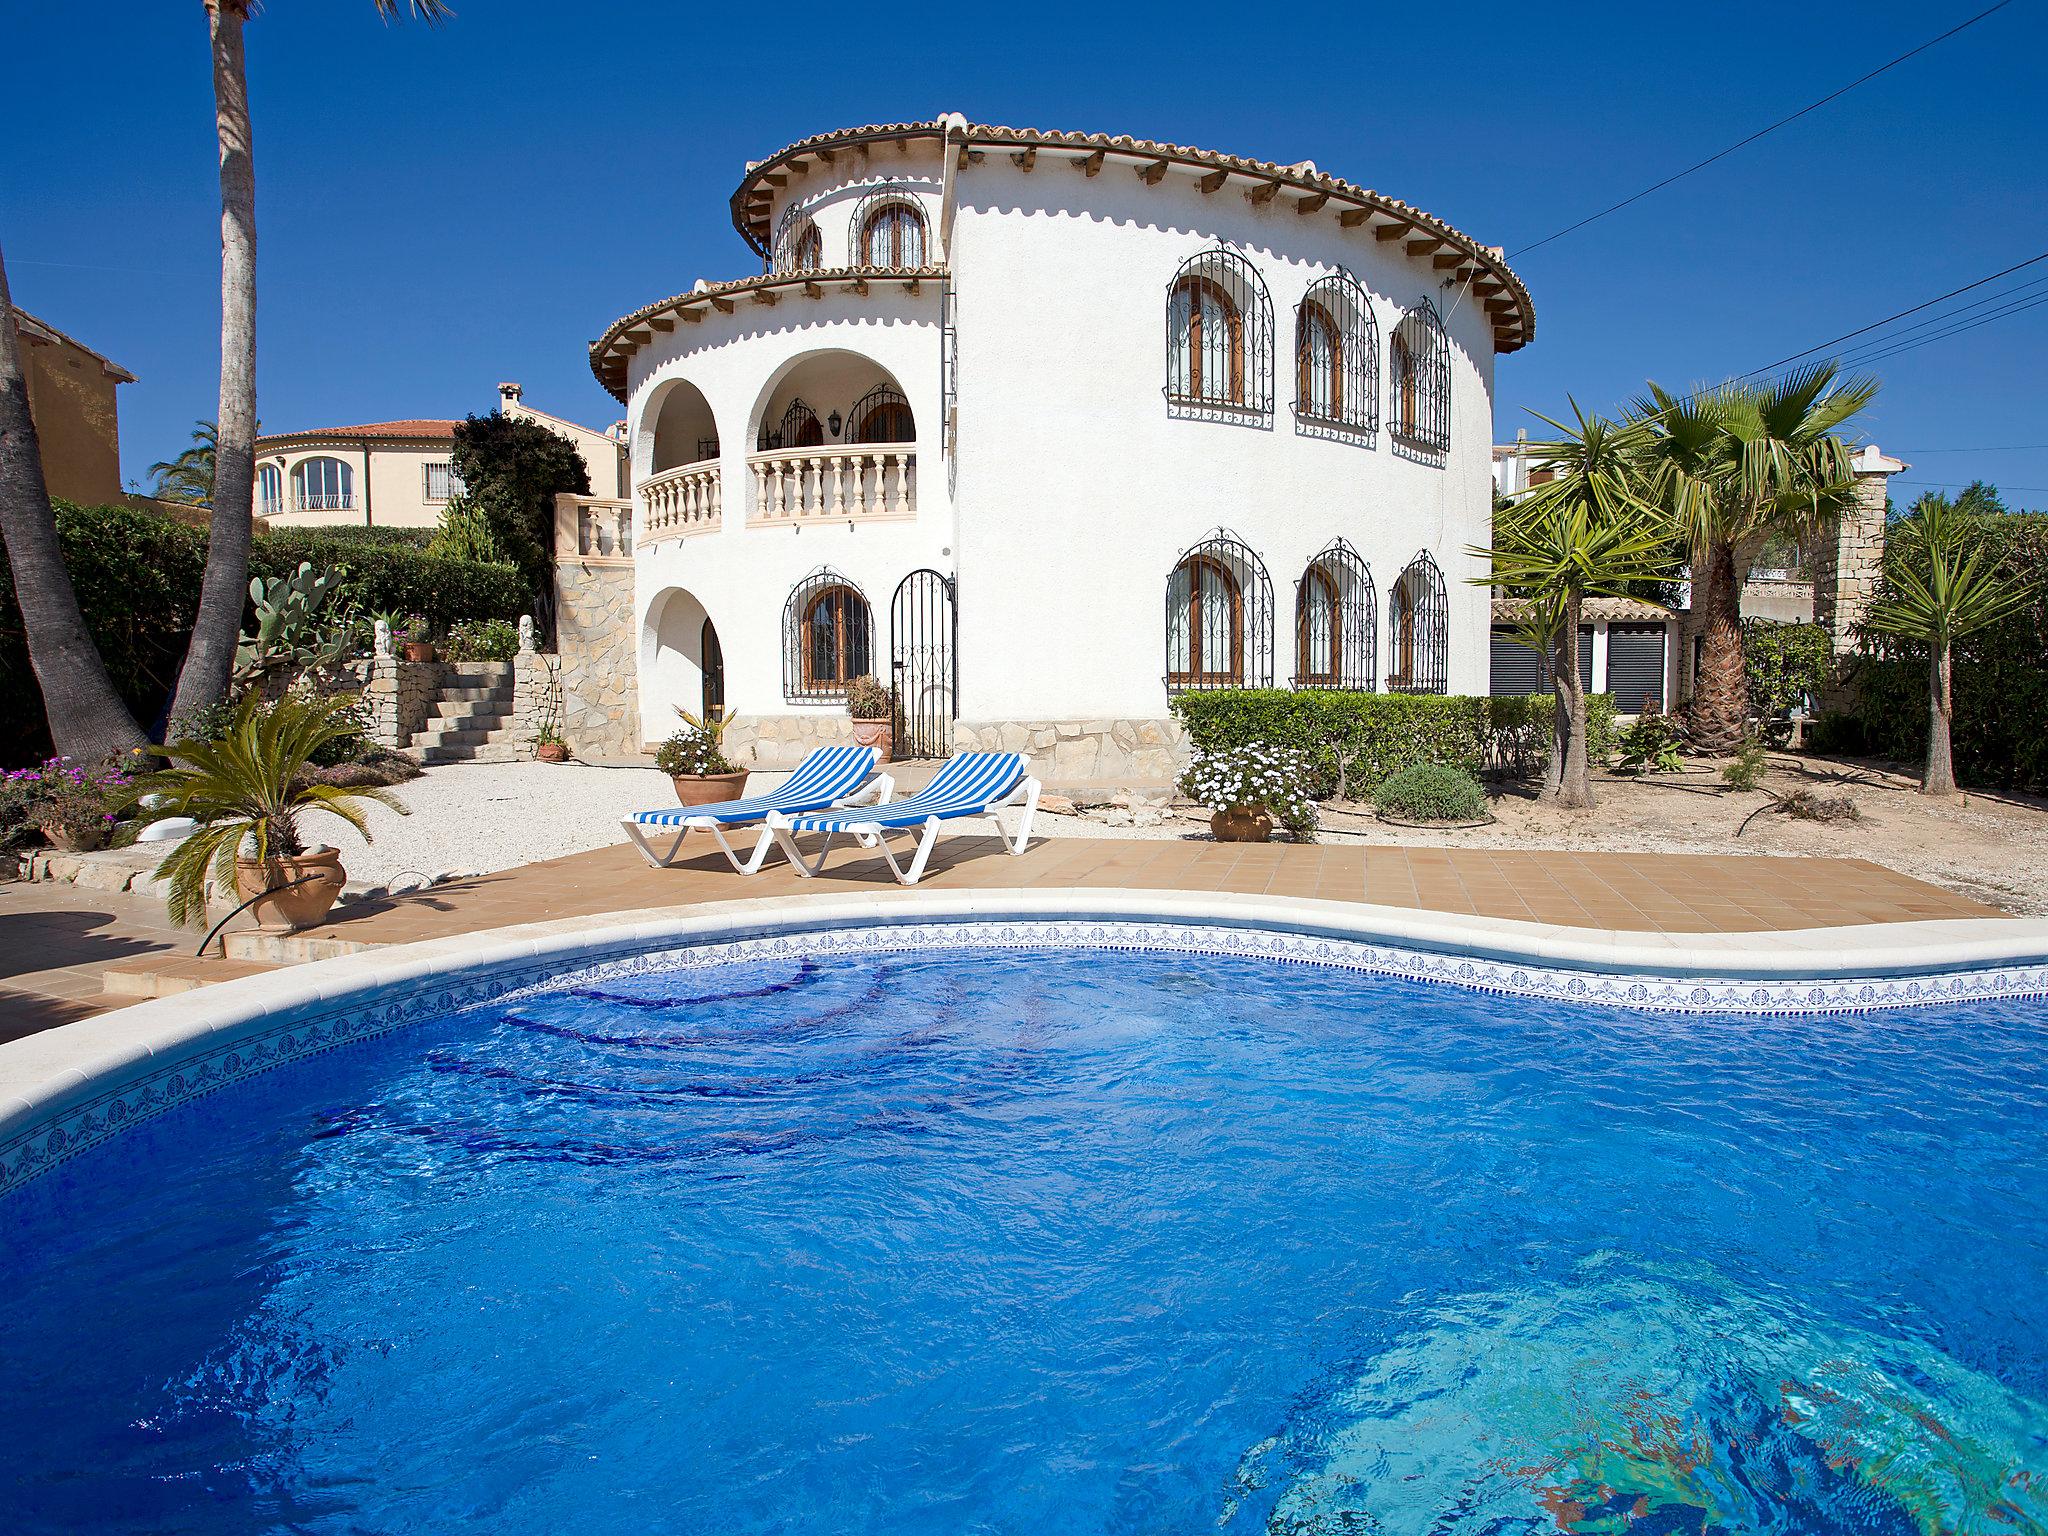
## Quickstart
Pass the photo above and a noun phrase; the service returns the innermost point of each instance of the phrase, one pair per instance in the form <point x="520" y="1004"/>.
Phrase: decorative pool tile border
<point x="329" y="1024"/>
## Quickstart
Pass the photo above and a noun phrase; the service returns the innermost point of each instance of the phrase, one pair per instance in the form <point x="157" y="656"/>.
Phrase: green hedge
<point x="1355" y="741"/>
<point x="138" y="572"/>
<point x="2001" y="679"/>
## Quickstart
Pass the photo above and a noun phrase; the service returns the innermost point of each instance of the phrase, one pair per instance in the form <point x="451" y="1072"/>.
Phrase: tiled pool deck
<point x="1661" y="892"/>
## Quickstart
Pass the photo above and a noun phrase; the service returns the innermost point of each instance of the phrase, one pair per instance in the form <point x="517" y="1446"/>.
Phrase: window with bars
<point x="1336" y="622"/>
<point x="1336" y="359"/>
<point x="1219" y="618"/>
<point x="828" y="637"/>
<point x="441" y="481"/>
<point x="797" y="246"/>
<point x="323" y="485"/>
<point x="889" y="229"/>
<point x="882" y="415"/>
<point x="1418" y="630"/>
<point x="269" y="491"/>
<point x="798" y="428"/>
<point x="1219" y="339"/>
<point x="1419" y="358"/>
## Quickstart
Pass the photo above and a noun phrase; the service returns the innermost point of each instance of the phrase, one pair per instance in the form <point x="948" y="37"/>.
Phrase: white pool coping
<point x="73" y="1086"/>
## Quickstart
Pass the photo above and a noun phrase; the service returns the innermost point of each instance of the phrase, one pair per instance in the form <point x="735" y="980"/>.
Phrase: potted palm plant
<point x="248" y="791"/>
<point x="873" y="712"/>
<point x="696" y="763"/>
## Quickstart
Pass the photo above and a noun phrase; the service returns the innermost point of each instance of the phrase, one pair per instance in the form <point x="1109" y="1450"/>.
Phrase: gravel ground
<point x="481" y="817"/>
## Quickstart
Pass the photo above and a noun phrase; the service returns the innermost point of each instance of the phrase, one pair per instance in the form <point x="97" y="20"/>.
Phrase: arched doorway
<point x="711" y="657"/>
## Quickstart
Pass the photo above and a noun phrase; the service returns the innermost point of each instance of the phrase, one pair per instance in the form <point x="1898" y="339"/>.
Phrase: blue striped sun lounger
<point x="971" y="786"/>
<point x="829" y="776"/>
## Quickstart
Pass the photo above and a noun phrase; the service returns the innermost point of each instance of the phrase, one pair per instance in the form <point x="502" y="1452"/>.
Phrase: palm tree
<point x="189" y="477"/>
<point x="88" y="721"/>
<point x="1947" y="585"/>
<point x="1734" y="465"/>
<point x="1588" y="532"/>
<point x="210" y="656"/>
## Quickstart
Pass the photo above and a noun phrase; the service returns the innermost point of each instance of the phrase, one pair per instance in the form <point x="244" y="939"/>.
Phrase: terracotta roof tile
<point x="414" y="427"/>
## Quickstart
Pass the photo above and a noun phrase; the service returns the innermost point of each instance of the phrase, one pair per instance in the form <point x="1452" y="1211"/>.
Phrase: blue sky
<point x="438" y="210"/>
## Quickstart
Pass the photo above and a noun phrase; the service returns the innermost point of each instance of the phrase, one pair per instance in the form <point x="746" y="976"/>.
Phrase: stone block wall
<point x="536" y="694"/>
<point x="1084" y="751"/>
<point x="594" y="648"/>
<point x="398" y="698"/>
<point x="772" y="742"/>
<point x="1846" y="577"/>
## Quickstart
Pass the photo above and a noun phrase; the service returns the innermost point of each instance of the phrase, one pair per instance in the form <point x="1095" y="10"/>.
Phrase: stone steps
<point x="471" y="720"/>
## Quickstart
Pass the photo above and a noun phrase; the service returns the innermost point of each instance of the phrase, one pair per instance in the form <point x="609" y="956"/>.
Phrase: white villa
<point x="1044" y="427"/>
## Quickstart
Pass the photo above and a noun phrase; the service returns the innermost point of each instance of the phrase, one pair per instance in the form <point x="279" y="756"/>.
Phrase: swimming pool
<point x="1056" y="1239"/>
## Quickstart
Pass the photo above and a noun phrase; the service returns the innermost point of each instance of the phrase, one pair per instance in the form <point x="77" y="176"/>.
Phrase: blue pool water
<point x="1055" y="1242"/>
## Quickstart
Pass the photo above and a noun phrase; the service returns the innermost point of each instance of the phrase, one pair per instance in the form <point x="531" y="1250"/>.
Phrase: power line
<point x="1888" y="319"/>
<point x="1864" y="359"/>
<point x="1761" y="132"/>
<point x="1994" y="448"/>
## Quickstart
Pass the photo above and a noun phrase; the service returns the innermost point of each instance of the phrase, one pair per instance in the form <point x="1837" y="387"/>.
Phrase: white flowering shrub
<point x="1276" y="777"/>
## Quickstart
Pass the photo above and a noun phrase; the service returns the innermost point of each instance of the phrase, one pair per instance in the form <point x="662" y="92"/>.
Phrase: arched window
<point x="269" y="490"/>
<point x="1219" y="624"/>
<point x="889" y="231"/>
<point x="799" y="428"/>
<point x="1336" y="359"/>
<point x="1418" y="630"/>
<point x="797" y="246"/>
<point x="827" y="636"/>
<point x="323" y="485"/>
<point x="1335" y="622"/>
<point x="881" y="415"/>
<point x="1219" y="338"/>
<point x="1419" y="359"/>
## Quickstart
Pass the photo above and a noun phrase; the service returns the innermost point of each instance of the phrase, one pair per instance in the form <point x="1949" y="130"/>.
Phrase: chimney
<point x="508" y="395"/>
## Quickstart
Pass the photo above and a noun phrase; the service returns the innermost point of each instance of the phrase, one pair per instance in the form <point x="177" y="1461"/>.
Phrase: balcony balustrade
<point x="682" y="502"/>
<point x="859" y="482"/>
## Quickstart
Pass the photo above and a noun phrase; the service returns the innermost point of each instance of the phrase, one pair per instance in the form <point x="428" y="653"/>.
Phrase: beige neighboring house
<point x="399" y="474"/>
<point x="71" y="399"/>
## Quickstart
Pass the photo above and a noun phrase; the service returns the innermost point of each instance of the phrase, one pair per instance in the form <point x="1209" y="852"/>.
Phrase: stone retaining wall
<point x="398" y="698"/>
<point x="773" y="742"/>
<point x="594" y="644"/>
<point x="1084" y="751"/>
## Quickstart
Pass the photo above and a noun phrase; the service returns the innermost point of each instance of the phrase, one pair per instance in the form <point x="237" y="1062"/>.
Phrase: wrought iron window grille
<point x="797" y="246"/>
<point x="1219" y="341"/>
<point x="882" y="415"/>
<point x="1336" y="622"/>
<point x="799" y="428"/>
<point x="827" y="637"/>
<point x="1419" y="370"/>
<point x="1418" y="630"/>
<point x="1336" y="361"/>
<point x="888" y="229"/>
<point x="1219" y="617"/>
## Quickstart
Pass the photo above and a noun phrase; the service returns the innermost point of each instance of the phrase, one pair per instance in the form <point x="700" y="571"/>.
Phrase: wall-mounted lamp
<point x="834" y="421"/>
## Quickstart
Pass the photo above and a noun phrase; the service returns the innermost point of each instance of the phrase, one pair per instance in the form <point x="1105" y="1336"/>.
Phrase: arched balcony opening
<point x="1336" y="622"/>
<point x="683" y="490"/>
<point x="834" y="439"/>
<point x="323" y="485"/>
<point x="1418" y="630"/>
<point x="1219" y="617"/>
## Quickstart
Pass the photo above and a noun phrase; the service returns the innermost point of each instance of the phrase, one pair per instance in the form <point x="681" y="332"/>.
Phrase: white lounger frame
<point x="873" y="835"/>
<point x="876" y="791"/>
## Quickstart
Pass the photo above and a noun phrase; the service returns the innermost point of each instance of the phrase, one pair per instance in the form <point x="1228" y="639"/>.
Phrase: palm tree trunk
<point x="1720" y="700"/>
<point x="1560" y="726"/>
<point x="1940" y="777"/>
<point x="210" y="656"/>
<point x="88" y="721"/>
<point x="1575" y="778"/>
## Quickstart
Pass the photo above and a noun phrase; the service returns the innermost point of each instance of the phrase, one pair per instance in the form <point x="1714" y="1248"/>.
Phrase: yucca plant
<point x="248" y="791"/>
<point x="1948" y="586"/>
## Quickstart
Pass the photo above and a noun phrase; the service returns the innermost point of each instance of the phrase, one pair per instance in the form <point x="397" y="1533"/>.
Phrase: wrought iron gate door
<point x="922" y="630"/>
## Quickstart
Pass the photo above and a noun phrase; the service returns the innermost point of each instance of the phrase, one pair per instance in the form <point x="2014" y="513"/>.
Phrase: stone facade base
<point x="774" y="742"/>
<point x="398" y="697"/>
<point x="1084" y="751"/>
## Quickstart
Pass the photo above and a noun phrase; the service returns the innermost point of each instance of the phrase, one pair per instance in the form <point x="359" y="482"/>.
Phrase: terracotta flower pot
<point x="1242" y="824"/>
<point x="707" y="788"/>
<point x="552" y="752"/>
<point x="418" y="650"/>
<point x="74" y="839"/>
<point x="875" y="733"/>
<point x="290" y="907"/>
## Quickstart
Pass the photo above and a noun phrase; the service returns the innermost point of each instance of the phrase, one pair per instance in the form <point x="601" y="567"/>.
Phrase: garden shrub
<point x="481" y="640"/>
<point x="1785" y="664"/>
<point x="137" y="573"/>
<point x="1351" y="741"/>
<point x="1274" y="777"/>
<point x="1431" y="792"/>
<point x="2000" y="678"/>
<point x="513" y="469"/>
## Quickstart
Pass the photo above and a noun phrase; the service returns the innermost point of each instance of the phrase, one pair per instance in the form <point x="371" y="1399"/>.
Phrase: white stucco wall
<point x="1075" y="491"/>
